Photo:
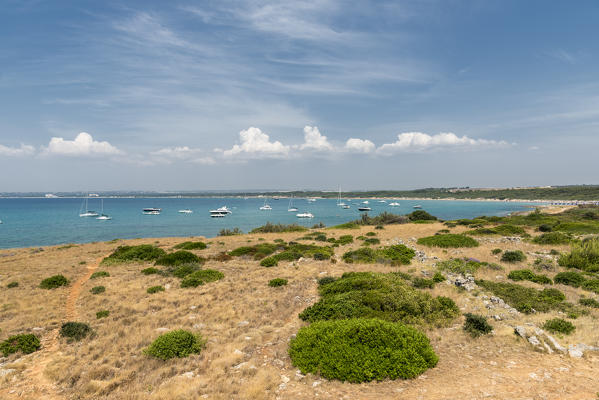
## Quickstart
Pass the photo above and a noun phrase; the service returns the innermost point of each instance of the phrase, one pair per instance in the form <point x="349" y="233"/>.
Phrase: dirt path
<point x="38" y="386"/>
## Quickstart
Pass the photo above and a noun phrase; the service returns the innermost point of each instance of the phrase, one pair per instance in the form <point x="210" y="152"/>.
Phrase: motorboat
<point x="365" y="202"/>
<point x="311" y="200"/>
<point x="305" y="215"/>
<point x="417" y="206"/>
<point x="152" y="211"/>
<point x="382" y="201"/>
<point x="185" y="211"/>
<point x="346" y="206"/>
<point x="364" y="208"/>
<point x="394" y="204"/>
<point x="220" y="212"/>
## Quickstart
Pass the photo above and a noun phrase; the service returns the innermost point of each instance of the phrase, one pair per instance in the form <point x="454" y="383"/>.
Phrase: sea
<point x="30" y="222"/>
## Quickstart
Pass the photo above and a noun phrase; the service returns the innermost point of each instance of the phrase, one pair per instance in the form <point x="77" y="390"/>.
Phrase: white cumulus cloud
<point x="182" y="153"/>
<point x="24" y="150"/>
<point x="418" y="141"/>
<point x="314" y="140"/>
<point x="256" y="144"/>
<point x="355" y="145"/>
<point x="83" y="144"/>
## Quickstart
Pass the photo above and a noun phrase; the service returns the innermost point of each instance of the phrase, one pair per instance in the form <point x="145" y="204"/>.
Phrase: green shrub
<point x="577" y="228"/>
<point x="97" y="290"/>
<point x="592" y="285"/>
<point x="155" y="289"/>
<point x="528" y="275"/>
<point x="178" y="343"/>
<point x="279" y="228"/>
<point x="462" y="266"/>
<point x="421" y="215"/>
<point x="321" y="237"/>
<point x="570" y="278"/>
<point x="370" y="233"/>
<point x="347" y="225"/>
<point x="102" y="314"/>
<point x="512" y="256"/>
<point x="230" y="232"/>
<point x="384" y="218"/>
<point x="448" y="240"/>
<point x="269" y="262"/>
<point x="503" y="230"/>
<point x="496" y="251"/>
<point x="477" y="325"/>
<point x="525" y="299"/>
<point x="258" y="251"/>
<point x="558" y="325"/>
<point x="361" y="350"/>
<point x="142" y="252"/>
<point x="12" y="285"/>
<point x="423" y="283"/>
<point x="150" y="271"/>
<point x="326" y="280"/>
<point x="344" y="239"/>
<point x="277" y="282"/>
<point x="551" y="238"/>
<point x="379" y="227"/>
<point x="394" y="255"/>
<point x="383" y="296"/>
<point x="583" y="256"/>
<point x="545" y="228"/>
<point x="438" y="277"/>
<point x="99" y="274"/>
<point x="183" y="270"/>
<point x="191" y="246"/>
<point x="295" y="251"/>
<point x="589" y="302"/>
<point x="200" y="277"/>
<point x="53" y="282"/>
<point x="26" y="343"/>
<point x="75" y="330"/>
<point x="369" y="241"/>
<point x="177" y="258"/>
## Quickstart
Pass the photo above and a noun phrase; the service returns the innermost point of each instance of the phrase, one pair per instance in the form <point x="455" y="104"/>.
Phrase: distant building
<point x="51" y="196"/>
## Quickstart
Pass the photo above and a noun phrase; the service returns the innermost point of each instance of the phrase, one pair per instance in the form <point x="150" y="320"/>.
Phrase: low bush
<point x="512" y="256"/>
<point x="155" y="289"/>
<point x="525" y="299"/>
<point x="558" y="325"/>
<point x="277" y="282"/>
<point x="99" y="274"/>
<point x="465" y="266"/>
<point x="142" y="252"/>
<point x="347" y="225"/>
<point x="183" y="270"/>
<point x="592" y="285"/>
<point x="394" y="255"/>
<point x="503" y="230"/>
<point x="374" y="295"/>
<point x="583" y="256"/>
<point x="258" y="251"/>
<point x="177" y="258"/>
<point x="191" y="246"/>
<point x="421" y="215"/>
<point x="97" y="290"/>
<point x="361" y="350"/>
<point x="279" y="228"/>
<point x="448" y="240"/>
<point x="577" y="228"/>
<point x="178" y="343"/>
<point x="384" y="218"/>
<point x="200" y="277"/>
<point x="551" y="238"/>
<point x="150" y="271"/>
<point x="26" y="343"/>
<point x="379" y="227"/>
<point x="589" y="302"/>
<point x="477" y="325"/>
<point x="269" y="262"/>
<point x="496" y="251"/>
<point x="54" y="282"/>
<point x="102" y="314"/>
<point x="545" y="228"/>
<point x="528" y="275"/>
<point x="570" y="278"/>
<point x="326" y="280"/>
<point x="438" y="277"/>
<point x="344" y="239"/>
<point x="370" y="233"/>
<point x="369" y="241"/>
<point x="75" y="330"/>
<point x="12" y="285"/>
<point x="230" y="232"/>
<point x="423" y="283"/>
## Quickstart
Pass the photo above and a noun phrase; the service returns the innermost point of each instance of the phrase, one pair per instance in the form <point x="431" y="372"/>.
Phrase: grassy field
<point x="247" y="324"/>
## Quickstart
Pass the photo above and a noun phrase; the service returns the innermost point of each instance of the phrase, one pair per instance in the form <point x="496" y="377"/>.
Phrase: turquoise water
<point x="41" y="222"/>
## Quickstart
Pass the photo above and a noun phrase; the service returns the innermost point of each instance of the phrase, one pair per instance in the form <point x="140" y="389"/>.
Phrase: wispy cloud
<point x="419" y="142"/>
<point x="23" y="150"/>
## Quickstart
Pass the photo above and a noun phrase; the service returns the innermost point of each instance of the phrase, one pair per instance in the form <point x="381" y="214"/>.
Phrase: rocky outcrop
<point x="542" y="341"/>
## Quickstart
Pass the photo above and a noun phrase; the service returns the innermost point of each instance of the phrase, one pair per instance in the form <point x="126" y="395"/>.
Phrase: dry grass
<point x="247" y="325"/>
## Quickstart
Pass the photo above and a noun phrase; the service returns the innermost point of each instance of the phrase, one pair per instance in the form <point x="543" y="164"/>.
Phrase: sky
<point x="274" y="95"/>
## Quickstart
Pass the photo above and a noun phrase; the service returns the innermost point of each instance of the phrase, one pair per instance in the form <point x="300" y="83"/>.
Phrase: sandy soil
<point x="247" y="325"/>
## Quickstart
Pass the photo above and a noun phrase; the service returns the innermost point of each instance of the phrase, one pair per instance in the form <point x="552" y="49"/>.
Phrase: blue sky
<point x="256" y="94"/>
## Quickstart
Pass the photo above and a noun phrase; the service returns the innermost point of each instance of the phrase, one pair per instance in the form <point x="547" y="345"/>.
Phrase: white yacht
<point x="152" y="211"/>
<point x="365" y="202"/>
<point x="364" y="208"/>
<point x="394" y="204"/>
<point x="103" y="217"/>
<point x="305" y="215"/>
<point x="220" y="212"/>
<point x="87" y="212"/>
<point x="311" y="200"/>
<point x="266" y="206"/>
<point x="417" y="206"/>
<point x="185" y="211"/>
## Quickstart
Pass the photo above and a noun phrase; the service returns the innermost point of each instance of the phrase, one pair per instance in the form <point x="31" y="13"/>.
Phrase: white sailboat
<point x="103" y="217"/>
<point x="339" y="202"/>
<point x="394" y="204"/>
<point x="88" y="212"/>
<point x="291" y="207"/>
<point x="266" y="206"/>
<point x="305" y="215"/>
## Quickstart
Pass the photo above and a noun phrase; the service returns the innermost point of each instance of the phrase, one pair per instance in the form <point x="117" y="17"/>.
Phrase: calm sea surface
<point x="41" y="222"/>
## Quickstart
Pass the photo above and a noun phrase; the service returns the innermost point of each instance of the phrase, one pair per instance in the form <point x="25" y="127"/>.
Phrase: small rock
<point x="188" y="375"/>
<point x="534" y="341"/>
<point x="4" y="372"/>
<point x="243" y="323"/>
<point x="284" y="378"/>
<point x="316" y="383"/>
<point x="574" y="353"/>
<point x="238" y="352"/>
<point x="167" y="286"/>
<point x="521" y="331"/>
<point x="161" y="329"/>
